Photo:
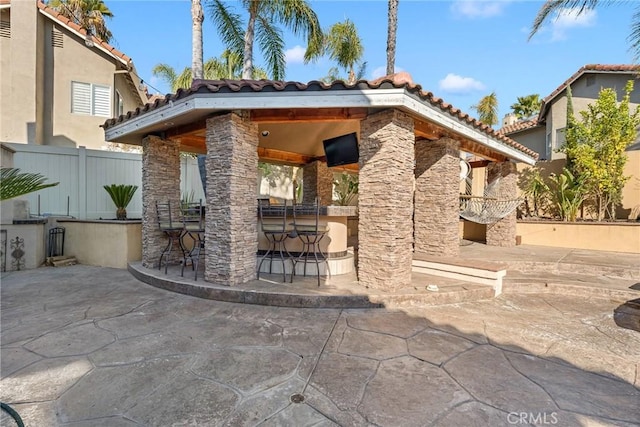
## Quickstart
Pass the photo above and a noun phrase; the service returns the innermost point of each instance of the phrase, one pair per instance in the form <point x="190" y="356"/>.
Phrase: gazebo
<point x="409" y="144"/>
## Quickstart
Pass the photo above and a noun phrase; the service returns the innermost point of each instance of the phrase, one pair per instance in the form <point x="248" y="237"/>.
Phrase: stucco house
<point x="545" y="133"/>
<point x="59" y="83"/>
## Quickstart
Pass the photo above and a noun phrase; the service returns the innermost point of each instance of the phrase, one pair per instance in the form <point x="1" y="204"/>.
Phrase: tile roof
<point x="518" y="126"/>
<point x="53" y="14"/>
<point x="589" y="68"/>
<point x="395" y="81"/>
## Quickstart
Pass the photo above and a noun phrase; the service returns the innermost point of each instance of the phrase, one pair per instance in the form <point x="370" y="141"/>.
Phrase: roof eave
<point x="366" y="98"/>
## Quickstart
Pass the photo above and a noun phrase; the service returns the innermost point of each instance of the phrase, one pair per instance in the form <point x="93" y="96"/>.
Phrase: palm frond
<point x="228" y="24"/>
<point x="551" y="6"/>
<point x="166" y="72"/>
<point x="13" y="183"/>
<point x="121" y="194"/>
<point x="271" y="44"/>
<point x="634" y="37"/>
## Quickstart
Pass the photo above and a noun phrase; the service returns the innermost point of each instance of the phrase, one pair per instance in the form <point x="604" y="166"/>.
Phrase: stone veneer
<point x="437" y="197"/>
<point x="231" y="223"/>
<point x="317" y="180"/>
<point x="385" y="200"/>
<point x="503" y="232"/>
<point x="160" y="182"/>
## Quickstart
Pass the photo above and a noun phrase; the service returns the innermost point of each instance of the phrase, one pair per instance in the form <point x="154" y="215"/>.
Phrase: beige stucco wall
<point x="622" y="237"/>
<point x="36" y="79"/>
<point x="103" y="243"/>
<point x="33" y="245"/>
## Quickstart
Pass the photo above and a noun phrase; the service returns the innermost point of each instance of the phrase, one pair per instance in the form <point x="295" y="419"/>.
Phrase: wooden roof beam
<point x="308" y="115"/>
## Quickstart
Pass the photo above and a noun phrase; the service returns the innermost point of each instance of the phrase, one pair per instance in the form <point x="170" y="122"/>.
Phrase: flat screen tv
<point x="341" y="150"/>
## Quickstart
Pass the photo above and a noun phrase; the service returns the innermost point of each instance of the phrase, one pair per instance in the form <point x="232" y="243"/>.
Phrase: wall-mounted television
<point x="342" y="150"/>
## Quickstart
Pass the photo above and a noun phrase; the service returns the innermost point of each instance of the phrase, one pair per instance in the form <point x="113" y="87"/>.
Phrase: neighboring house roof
<point x="587" y="69"/>
<point x="263" y="87"/>
<point x="124" y="60"/>
<point x="519" y="126"/>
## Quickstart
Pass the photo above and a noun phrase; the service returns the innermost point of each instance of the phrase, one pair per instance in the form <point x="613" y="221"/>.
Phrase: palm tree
<point x="487" y="109"/>
<point x="14" y="183"/>
<point x="343" y="45"/>
<point x="582" y="6"/>
<point x="527" y="106"/>
<point x="334" y="74"/>
<point x="196" y="39"/>
<point x="264" y="15"/>
<point x="228" y="66"/>
<point x="392" y="28"/>
<point x="88" y="14"/>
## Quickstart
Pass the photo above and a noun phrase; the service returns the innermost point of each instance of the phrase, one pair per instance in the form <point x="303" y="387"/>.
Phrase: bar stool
<point x="311" y="235"/>
<point x="193" y="227"/>
<point x="172" y="228"/>
<point x="276" y="234"/>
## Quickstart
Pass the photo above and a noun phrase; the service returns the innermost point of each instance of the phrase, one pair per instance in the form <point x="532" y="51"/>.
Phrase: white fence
<point x="82" y="174"/>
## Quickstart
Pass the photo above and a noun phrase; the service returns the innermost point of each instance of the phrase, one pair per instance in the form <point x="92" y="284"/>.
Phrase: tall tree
<point x="88" y="14"/>
<point x="526" y="106"/>
<point x="551" y="7"/>
<point x="343" y="44"/>
<point x="487" y="109"/>
<point x="264" y="16"/>
<point x="197" y="16"/>
<point x="392" y="28"/>
<point x="597" y="145"/>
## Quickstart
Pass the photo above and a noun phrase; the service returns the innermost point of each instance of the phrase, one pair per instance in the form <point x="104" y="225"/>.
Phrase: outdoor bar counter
<point x="334" y="243"/>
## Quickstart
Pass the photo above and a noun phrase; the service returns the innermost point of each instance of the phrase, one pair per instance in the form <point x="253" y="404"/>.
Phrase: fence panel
<point x="82" y="174"/>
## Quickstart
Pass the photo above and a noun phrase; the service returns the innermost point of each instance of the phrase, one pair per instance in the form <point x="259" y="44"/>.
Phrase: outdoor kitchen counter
<point x="334" y="244"/>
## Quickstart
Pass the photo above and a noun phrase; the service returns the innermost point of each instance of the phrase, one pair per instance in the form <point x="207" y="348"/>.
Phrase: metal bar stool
<point x="311" y="235"/>
<point x="193" y="226"/>
<point x="276" y="234"/>
<point x="172" y="228"/>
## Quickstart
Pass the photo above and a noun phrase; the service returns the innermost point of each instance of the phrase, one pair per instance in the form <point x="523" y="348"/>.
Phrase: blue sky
<point x="459" y="50"/>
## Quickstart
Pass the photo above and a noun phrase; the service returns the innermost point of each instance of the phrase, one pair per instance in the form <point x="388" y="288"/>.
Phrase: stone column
<point x="317" y="181"/>
<point x="437" y="197"/>
<point x="231" y="222"/>
<point x="160" y="182"/>
<point x="503" y="232"/>
<point x="385" y="200"/>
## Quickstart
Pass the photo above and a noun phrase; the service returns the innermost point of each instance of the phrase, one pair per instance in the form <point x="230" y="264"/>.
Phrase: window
<point x="548" y="150"/>
<point x="560" y="138"/>
<point x="5" y="29"/>
<point x="90" y="99"/>
<point x="119" y="105"/>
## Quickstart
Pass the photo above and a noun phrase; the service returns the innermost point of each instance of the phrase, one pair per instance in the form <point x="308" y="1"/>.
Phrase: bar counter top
<point x="333" y="210"/>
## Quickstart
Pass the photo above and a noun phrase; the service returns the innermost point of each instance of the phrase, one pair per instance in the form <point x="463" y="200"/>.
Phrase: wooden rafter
<point x="308" y="115"/>
<point x="283" y="157"/>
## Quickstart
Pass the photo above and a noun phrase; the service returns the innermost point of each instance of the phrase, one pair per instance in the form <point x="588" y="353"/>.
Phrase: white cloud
<point x="567" y="19"/>
<point x="454" y="83"/>
<point x="295" y="55"/>
<point x="382" y="71"/>
<point x="478" y="8"/>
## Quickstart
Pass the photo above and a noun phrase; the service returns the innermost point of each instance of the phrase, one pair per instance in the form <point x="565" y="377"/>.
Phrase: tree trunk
<point x="247" y="68"/>
<point x="391" y="35"/>
<point x="197" y="16"/>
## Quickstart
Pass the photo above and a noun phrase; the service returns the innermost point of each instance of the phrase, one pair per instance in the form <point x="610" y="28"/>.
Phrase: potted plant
<point x="121" y="195"/>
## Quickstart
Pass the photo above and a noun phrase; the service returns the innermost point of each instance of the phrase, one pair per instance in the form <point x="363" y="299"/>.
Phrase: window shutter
<point x="102" y="101"/>
<point x="80" y="98"/>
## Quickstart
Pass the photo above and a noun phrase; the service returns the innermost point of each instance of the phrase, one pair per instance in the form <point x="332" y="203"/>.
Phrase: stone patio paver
<point x="85" y="346"/>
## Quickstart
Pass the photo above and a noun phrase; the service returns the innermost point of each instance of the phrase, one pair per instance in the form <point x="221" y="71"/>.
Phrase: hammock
<point x="486" y="209"/>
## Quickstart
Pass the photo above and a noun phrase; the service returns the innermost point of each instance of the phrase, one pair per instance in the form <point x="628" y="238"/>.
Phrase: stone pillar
<point x="503" y="232"/>
<point x="231" y="222"/>
<point x="385" y="200"/>
<point x="317" y="181"/>
<point x="160" y="182"/>
<point x="437" y="197"/>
